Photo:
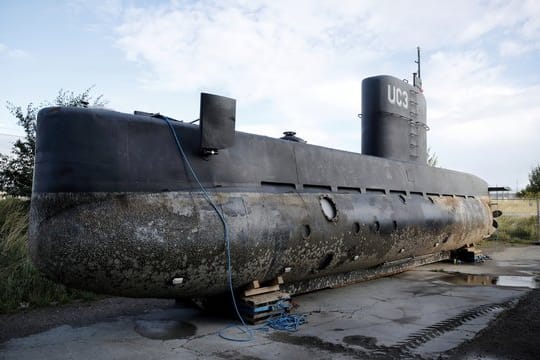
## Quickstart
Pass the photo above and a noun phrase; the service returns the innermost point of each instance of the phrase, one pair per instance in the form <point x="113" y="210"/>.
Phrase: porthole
<point x="328" y="207"/>
<point x="376" y="226"/>
<point x="325" y="261"/>
<point x="356" y="228"/>
<point x="306" y="231"/>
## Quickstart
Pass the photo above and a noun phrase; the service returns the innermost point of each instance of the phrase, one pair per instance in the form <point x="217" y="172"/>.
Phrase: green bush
<point x="517" y="229"/>
<point x="21" y="285"/>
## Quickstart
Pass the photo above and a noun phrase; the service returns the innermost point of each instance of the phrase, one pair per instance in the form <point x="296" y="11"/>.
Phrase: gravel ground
<point x="78" y="314"/>
<point x="515" y="334"/>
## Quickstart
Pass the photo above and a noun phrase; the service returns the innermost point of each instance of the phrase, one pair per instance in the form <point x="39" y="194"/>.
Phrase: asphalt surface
<point x="439" y="311"/>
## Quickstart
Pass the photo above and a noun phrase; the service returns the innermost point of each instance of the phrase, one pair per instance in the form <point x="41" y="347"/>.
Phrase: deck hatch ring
<point x="328" y="207"/>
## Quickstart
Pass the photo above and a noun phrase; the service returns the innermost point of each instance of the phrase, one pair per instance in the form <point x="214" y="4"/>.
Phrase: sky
<point x="292" y="65"/>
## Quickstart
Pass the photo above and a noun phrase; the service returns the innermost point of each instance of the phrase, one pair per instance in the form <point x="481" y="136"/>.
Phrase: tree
<point x="533" y="188"/>
<point x="16" y="169"/>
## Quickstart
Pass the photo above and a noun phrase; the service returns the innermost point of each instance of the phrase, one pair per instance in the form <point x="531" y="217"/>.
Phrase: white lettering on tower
<point x="398" y="96"/>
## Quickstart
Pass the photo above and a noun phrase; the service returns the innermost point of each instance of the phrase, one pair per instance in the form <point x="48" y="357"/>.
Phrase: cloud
<point x="461" y="82"/>
<point x="298" y="65"/>
<point x="481" y="121"/>
<point x="295" y="59"/>
<point x="11" y="52"/>
<point x="530" y="27"/>
<point x="253" y="52"/>
<point x="259" y="49"/>
<point x="512" y="48"/>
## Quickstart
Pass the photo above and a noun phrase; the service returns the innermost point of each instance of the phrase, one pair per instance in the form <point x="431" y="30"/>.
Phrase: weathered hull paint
<point x="117" y="204"/>
<point x="134" y="244"/>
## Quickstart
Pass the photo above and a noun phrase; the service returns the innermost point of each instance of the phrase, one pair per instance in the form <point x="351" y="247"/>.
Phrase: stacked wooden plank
<point x="259" y="303"/>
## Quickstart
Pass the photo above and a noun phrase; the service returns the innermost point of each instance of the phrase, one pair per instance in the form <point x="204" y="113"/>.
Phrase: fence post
<point x="537" y="219"/>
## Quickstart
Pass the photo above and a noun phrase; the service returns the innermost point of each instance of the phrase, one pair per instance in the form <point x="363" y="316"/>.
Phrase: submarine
<point x="141" y="205"/>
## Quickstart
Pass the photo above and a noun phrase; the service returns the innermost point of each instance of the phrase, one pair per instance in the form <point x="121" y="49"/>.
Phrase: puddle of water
<point x="490" y="280"/>
<point x="515" y="264"/>
<point x="164" y="329"/>
<point x="517" y="281"/>
<point x="470" y="279"/>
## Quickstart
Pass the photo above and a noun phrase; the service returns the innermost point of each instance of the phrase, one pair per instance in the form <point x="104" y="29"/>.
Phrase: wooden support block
<point x="257" y="321"/>
<point x="277" y="281"/>
<point x="261" y="290"/>
<point x="252" y="285"/>
<point x="282" y="305"/>
<point x="259" y="318"/>
<point x="260" y="304"/>
<point x="268" y="298"/>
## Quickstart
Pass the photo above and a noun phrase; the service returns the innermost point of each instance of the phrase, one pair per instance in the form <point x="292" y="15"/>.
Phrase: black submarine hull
<point x="115" y="210"/>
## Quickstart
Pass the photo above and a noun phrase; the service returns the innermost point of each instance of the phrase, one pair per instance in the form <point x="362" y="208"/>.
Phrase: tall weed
<point x="21" y="285"/>
<point x="517" y="229"/>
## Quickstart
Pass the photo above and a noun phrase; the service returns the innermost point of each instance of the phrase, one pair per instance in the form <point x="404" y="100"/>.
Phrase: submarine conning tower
<point x="394" y="119"/>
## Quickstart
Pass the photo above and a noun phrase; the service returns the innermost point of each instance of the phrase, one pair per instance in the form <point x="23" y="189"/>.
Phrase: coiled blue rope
<point x="244" y="329"/>
<point x="286" y="322"/>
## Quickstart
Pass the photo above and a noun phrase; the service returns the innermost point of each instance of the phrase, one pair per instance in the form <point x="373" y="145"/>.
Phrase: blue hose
<point x="283" y="322"/>
<point x="244" y="329"/>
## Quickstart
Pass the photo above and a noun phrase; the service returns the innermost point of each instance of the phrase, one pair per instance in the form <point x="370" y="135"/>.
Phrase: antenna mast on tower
<point x="417" y="79"/>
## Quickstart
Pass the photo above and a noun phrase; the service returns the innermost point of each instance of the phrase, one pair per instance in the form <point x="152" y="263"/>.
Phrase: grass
<point x="516" y="207"/>
<point x="21" y="285"/>
<point x="518" y="224"/>
<point x="516" y="229"/>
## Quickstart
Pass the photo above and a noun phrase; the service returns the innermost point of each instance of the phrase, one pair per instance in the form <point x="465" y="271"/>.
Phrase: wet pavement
<point x="423" y="313"/>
